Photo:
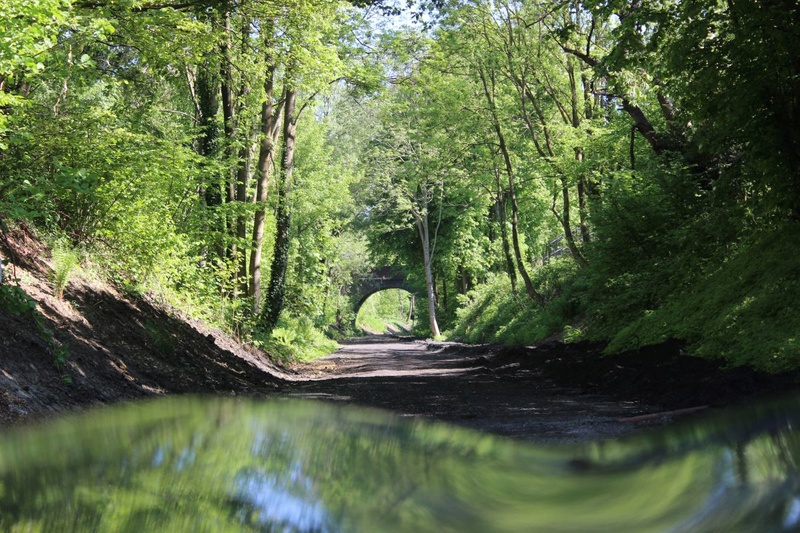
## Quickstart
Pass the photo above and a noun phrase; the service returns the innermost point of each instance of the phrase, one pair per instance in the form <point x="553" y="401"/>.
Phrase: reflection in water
<point x="225" y="465"/>
<point x="277" y="503"/>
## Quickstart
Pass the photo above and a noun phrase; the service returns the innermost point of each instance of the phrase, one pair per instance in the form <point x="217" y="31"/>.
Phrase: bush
<point x="15" y="301"/>
<point x="492" y="312"/>
<point x="296" y="339"/>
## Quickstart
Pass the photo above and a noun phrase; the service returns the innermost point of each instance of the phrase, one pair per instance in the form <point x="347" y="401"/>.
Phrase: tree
<point x="30" y="29"/>
<point x="270" y="120"/>
<point x="311" y="66"/>
<point x="406" y="187"/>
<point x="280" y="257"/>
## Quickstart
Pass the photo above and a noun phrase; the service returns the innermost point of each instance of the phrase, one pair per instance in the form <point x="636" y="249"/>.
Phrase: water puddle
<point x="226" y="465"/>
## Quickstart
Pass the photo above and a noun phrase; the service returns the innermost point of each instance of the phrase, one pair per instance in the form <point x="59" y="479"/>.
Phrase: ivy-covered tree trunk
<point x="243" y="174"/>
<point x="280" y="259"/>
<point x="228" y="114"/>
<point x="206" y="92"/>
<point x="244" y="166"/>
<point x="583" y="210"/>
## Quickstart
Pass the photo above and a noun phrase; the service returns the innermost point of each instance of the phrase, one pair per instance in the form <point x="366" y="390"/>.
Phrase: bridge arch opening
<point x="386" y="311"/>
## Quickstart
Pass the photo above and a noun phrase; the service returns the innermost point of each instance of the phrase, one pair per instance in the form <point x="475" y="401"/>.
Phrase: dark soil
<point x="661" y="375"/>
<point x="123" y="348"/>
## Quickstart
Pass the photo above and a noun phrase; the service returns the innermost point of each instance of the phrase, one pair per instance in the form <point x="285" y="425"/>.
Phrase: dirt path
<point x="450" y="382"/>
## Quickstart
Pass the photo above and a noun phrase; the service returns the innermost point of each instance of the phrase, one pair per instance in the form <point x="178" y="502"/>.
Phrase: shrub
<point x="296" y="339"/>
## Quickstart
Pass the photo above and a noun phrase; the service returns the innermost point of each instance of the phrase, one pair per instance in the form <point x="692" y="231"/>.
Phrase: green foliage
<point x="162" y="339"/>
<point x="742" y="309"/>
<point x="493" y="313"/>
<point x="15" y="301"/>
<point x="384" y="311"/>
<point x="65" y="261"/>
<point x="297" y="339"/>
<point x="60" y="357"/>
<point x="30" y="29"/>
<point x="665" y="141"/>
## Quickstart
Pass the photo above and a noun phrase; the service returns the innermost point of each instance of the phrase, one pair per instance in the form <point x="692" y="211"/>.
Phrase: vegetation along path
<point x="119" y="348"/>
<point x="612" y="174"/>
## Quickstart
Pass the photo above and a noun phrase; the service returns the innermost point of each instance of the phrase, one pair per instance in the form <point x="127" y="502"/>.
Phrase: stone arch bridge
<point x="378" y="280"/>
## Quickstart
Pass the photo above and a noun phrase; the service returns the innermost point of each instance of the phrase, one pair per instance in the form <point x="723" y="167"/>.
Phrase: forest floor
<point x="121" y="348"/>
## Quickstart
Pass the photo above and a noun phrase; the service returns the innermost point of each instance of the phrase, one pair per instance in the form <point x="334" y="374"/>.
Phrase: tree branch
<point x="586" y="58"/>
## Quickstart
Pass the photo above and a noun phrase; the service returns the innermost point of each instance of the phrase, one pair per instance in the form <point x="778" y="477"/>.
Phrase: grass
<point x="385" y="311"/>
<point x="743" y="310"/>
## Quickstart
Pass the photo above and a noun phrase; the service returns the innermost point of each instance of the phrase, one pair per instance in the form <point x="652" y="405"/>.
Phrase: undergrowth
<point x="744" y="309"/>
<point x="296" y="339"/>
<point x="65" y="261"/>
<point x="739" y="304"/>
<point x="492" y="312"/>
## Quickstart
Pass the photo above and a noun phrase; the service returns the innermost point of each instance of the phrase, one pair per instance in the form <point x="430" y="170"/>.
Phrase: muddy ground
<point x="122" y="348"/>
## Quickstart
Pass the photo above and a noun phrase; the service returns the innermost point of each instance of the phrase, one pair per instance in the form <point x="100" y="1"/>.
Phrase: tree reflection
<point x="216" y="465"/>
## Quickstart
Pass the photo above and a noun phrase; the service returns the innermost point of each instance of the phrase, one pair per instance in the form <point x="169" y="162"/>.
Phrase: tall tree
<point x="311" y="66"/>
<point x="280" y="257"/>
<point x="270" y="120"/>
<point x="487" y="77"/>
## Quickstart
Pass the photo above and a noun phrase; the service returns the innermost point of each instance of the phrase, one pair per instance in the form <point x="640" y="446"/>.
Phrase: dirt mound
<point x="115" y="347"/>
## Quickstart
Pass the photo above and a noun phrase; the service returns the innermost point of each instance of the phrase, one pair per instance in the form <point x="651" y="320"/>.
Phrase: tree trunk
<point x="243" y="175"/>
<point x="566" y="223"/>
<point x="228" y="116"/>
<point x="266" y="154"/>
<point x="512" y="195"/>
<point x="445" y="306"/>
<point x="207" y="93"/>
<point x="207" y="88"/>
<point x="424" y="236"/>
<point x="502" y="219"/>
<point x="582" y="210"/>
<point x="280" y="258"/>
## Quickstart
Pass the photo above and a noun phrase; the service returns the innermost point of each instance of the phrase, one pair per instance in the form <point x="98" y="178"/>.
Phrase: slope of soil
<point x="118" y="348"/>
